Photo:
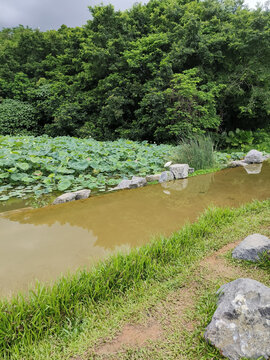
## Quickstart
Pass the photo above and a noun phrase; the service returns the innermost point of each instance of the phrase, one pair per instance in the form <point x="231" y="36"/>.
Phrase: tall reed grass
<point x="197" y="152"/>
<point x="47" y="311"/>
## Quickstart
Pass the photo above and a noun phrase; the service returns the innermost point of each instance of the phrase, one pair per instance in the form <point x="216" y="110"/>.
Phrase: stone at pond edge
<point x="191" y="170"/>
<point x="71" y="196"/>
<point x="169" y="163"/>
<point x="124" y="184"/>
<point x="135" y="182"/>
<point x="237" y="163"/>
<point x="240" y="326"/>
<point x="166" y="176"/>
<point x="253" y="157"/>
<point x="82" y="194"/>
<point x="180" y="171"/>
<point x="251" y="247"/>
<point x="150" y="178"/>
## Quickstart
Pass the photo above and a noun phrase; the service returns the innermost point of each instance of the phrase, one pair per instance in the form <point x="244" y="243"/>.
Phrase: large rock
<point x="254" y="157"/>
<point x="131" y="184"/>
<point x="150" y="178"/>
<point x="137" y="181"/>
<point x="237" y="163"/>
<point x="166" y="176"/>
<point x="240" y="327"/>
<point x="180" y="171"/>
<point x="71" y="196"/>
<point x="124" y="184"/>
<point x="251" y="247"/>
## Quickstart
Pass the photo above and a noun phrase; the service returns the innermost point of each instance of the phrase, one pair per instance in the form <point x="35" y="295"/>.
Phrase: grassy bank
<point x="42" y="324"/>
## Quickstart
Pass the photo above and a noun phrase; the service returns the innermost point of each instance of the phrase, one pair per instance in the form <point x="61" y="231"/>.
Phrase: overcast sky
<point x="51" y="14"/>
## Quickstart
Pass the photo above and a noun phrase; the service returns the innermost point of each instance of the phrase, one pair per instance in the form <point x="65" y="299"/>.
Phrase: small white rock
<point x="169" y="163"/>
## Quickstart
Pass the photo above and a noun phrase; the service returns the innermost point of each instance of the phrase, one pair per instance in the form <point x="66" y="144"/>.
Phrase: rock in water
<point x="82" y="194"/>
<point x="180" y="171"/>
<point x="237" y="163"/>
<point x="71" y="196"/>
<point x="155" y="177"/>
<point x="137" y="182"/>
<point x="124" y="184"/>
<point x="131" y="184"/>
<point x="251" y="247"/>
<point x="166" y="176"/>
<point x="254" y="157"/>
<point x="240" y="327"/>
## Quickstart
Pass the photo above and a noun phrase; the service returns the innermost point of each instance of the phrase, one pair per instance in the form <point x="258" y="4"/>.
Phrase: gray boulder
<point x="251" y="247"/>
<point x="253" y="168"/>
<point x="166" y="176"/>
<point x="131" y="184"/>
<point x="124" y="184"/>
<point x="180" y="171"/>
<point x="254" y="157"/>
<point x="237" y="163"/>
<point x="137" y="182"/>
<point x="150" y="178"/>
<point x="191" y="170"/>
<point x="240" y="327"/>
<point x="82" y="194"/>
<point x="71" y="196"/>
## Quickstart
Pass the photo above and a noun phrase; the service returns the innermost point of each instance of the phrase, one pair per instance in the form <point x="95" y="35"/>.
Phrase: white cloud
<point x="48" y="14"/>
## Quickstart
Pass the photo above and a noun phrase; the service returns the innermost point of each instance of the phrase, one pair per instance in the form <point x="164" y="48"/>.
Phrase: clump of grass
<point x="48" y="311"/>
<point x="264" y="262"/>
<point x="197" y="152"/>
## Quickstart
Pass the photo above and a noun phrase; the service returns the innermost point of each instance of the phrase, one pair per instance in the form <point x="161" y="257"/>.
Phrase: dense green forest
<point x="160" y="72"/>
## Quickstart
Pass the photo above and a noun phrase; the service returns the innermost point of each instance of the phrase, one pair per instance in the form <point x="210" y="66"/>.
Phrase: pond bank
<point x="83" y="311"/>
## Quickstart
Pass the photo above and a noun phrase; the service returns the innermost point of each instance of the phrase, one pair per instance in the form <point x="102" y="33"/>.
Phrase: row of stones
<point x="240" y="326"/>
<point x="252" y="157"/>
<point x="176" y="171"/>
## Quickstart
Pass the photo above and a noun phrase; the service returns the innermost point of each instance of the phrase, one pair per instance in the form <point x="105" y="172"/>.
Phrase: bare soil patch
<point x="132" y="335"/>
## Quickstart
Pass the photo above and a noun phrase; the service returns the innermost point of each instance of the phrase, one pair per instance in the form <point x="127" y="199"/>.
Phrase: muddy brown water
<point x="47" y="242"/>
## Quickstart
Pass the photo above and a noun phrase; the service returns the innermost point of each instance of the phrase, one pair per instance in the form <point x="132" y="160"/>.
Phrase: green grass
<point x="197" y="152"/>
<point x="63" y="310"/>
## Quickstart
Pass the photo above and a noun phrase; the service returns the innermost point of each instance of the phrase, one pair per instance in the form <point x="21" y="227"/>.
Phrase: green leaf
<point x="64" y="184"/>
<point x="23" y="166"/>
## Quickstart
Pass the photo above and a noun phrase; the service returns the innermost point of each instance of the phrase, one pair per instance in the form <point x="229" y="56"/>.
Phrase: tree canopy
<point x="157" y="72"/>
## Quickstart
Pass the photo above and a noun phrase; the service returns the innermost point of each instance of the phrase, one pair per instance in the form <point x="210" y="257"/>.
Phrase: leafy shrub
<point x="17" y="118"/>
<point x="238" y="139"/>
<point x="262" y="139"/>
<point x="197" y="152"/>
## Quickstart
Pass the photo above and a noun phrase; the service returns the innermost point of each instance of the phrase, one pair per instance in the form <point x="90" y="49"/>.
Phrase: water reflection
<point x="253" y="168"/>
<point x="43" y="243"/>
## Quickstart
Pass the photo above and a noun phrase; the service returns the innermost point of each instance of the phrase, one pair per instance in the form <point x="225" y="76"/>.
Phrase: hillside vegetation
<point x="160" y="72"/>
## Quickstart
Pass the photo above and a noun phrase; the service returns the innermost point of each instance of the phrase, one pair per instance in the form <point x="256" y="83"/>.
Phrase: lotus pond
<point x="42" y="165"/>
